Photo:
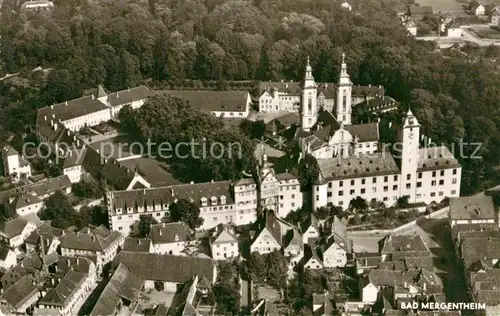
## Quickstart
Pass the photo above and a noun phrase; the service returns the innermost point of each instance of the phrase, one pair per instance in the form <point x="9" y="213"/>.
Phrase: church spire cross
<point x="343" y="58"/>
<point x="308" y="63"/>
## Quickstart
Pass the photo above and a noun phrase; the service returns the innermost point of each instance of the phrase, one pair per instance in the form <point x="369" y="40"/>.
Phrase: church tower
<point x="409" y="152"/>
<point x="309" y="109"/>
<point x="344" y="95"/>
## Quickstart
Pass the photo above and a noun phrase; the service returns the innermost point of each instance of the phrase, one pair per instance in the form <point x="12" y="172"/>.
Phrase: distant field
<point x="449" y="5"/>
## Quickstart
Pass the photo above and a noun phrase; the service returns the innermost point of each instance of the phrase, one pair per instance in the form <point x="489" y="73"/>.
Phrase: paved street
<point x="467" y="36"/>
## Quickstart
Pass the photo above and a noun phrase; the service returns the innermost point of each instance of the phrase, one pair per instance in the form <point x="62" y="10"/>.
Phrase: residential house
<point x="411" y="26"/>
<point x="138" y="245"/>
<point x="485" y="289"/>
<point x="170" y="238"/>
<point x="293" y="247"/>
<point x="346" y="6"/>
<point x="31" y="266"/>
<point x="66" y="296"/>
<point x="37" y="5"/>
<point x="495" y="17"/>
<point x="64" y="264"/>
<point x="270" y="235"/>
<point x="454" y="30"/>
<point x="479" y="252"/>
<point x="98" y="243"/>
<point x="15" y="231"/>
<point x="152" y="268"/>
<point x="322" y="305"/>
<point x="121" y="294"/>
<point x="25" y="203"/>
<point x="42" y="189"/>
<point x="311" y="259"/>
<point x="472" y="210"/>
<point x="223" y="104"/>
<point x="365" y="261"/>
<point x="224" y="243"/>
<point x="418" y="12"/>
<point x="311" y="230"/>
<point x="8" y="258"/>
<point x="19" y="298"/>
<point x="191" y="299"/>
<point x="394" y="248"/>
<point x="335" y="252"/>
<point x="15" y="166"/>
<point x="478" y="9"/>
<point x="44" y="239"/>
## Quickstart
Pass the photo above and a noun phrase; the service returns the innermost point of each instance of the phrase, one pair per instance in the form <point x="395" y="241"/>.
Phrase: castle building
<point x="220" y="202"/>
<point x="424" y="174"/>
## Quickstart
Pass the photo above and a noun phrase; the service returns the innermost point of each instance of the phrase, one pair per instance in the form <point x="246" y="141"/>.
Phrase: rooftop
<point x="435" y="158"/>
<point x="17" y="294"/>
<point x="137" y="244"/>
<point x="472" y="208"/>
<point x="170" y="232"/>
<point x="90" y="240"/>
<point x="64" y="290"/>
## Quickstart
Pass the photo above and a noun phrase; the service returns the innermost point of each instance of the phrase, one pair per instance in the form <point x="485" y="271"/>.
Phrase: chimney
<point x="162" y="224"/>
<point x="45" y="117"/>
<point x="77" y="261"/>
<point x="212" y="181"/>
<point x="66" y="103"/>
<point x="51" y="123"/>
<point x="52" y="107"/>
<point x="138" y="241"/>
<point x="192" y="182"/>
<point x="425" y="287"/>
<point x="172" y="192"/>
<point x="53" y="116"/>
<point x="161" y="232"/>
<point x="93" y="97"/>
<point x="93" y="238"/>
<point x="55" y="126"/>
<point x="53" y="282"/>
<point x="370" y="85"/>
<point x="68" y="262"/>
<point x="406" y="285"/>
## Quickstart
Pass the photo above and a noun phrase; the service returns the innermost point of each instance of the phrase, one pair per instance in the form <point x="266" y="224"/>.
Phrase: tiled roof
<point x="392" y="265"/>
<point x="223" y="234"/>
<point x="419" y="263"/>
<point x="167" y="195"/>
<point x="293" y="237"/>
<point x="129" y="95"/>
<point x="137" y="244"/>
<point x="17" y="294"/>
<point x="367" y="91"/>
<point x="472" y="208"/>
<point x="403" y="243"/>
<point x="79" y="264"/>
<point x="27" y="266"/>
<point x="364" y="132"/>
<point x="24" y="199"/>
<point x="13" y="227"/>
<point x="461" y="228"/>
<point x="72" y="109"/>
<point x="89" y="240"/>
<point x="359" y="166"/>
<point x="117" y="175"/>
<point x="40" y="189"/>
<point x="435" y="158"/>
<point x="290" y="87"/>
<point x="64" y="290"/>
<point x="4" y="251"/>
<point x="123" y="285"/>
<point x="389" y="277"/>
<point x="46" y="231"/>
<point x="153" y="266"/>
<point x="368" y="259"/>
<point x="221" y="101"/>
<point x="170" y="232"/>
<point x="474" y="249"/>
<point x="9" y="151"/>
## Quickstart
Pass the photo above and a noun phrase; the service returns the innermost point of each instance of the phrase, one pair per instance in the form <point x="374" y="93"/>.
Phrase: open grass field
<point x="486" y="32"/>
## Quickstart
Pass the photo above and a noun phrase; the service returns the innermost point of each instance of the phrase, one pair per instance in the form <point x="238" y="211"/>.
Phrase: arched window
<point x="344" y="102"/>
<point x="309" y="104"/>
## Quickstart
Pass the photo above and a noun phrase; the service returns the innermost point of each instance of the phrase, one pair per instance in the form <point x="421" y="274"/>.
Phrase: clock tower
<point x="309" y="104"/>
<point x="408" y="152"/>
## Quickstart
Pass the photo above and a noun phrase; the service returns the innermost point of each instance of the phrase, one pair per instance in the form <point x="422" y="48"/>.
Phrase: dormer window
<point x="223" y="199"/>
<point x="213" y="199"/>
<point x="204" y="201"/>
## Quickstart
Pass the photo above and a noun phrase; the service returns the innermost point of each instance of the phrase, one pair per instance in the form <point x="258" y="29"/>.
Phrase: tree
<point x="94" y="215"/>
<point x="6" y="212"/>
<point x="358" y="204"/>
<point x="58" y="210"/>
<point x="86" y="189"/>
<point x="226" y="290"/>
<point x="255" y="267"/>
<point x="277" y="269"/>
<point x="187" y="212"/>
<point x="145" y="223"/>
<point x="402" y="201"/>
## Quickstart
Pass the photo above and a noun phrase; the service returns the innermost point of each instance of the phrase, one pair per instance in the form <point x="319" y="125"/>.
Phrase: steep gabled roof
<point x="64" y="290"/>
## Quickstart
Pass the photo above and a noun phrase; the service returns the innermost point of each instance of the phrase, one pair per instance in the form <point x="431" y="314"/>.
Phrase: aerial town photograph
<point x="250" y="157"/>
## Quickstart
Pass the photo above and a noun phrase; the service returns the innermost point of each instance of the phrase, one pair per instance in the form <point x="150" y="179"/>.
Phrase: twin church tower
<point x="309" y="104"/>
